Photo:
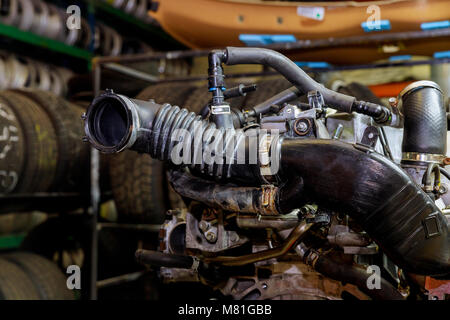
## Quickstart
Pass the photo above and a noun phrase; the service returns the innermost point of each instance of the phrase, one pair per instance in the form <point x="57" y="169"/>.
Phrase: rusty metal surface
<point x="296" y="234"/>
<point x="290" y="281"/>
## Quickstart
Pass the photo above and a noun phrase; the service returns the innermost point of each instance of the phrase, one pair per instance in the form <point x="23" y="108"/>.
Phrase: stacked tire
<point x="46" y="20"/>
<point x="40" y="145"/>
<point x="22" y="72"/>
<point x="27" y="276"/>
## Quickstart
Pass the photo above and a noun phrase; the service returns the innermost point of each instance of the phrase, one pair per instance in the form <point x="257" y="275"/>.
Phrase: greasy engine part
<point x="403" y="220"/>
<point x="425" y="123"/>
<point x="164" y="259"/>
<point x="294" y="237"/>
<point x="352" y="274"/>
<point x="290" y="281"/>
<point x="259" y="200"/>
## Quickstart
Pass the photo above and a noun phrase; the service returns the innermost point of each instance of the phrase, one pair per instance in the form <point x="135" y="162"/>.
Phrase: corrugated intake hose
<point x="115" y="123"/>
<point x="379" y="195"/>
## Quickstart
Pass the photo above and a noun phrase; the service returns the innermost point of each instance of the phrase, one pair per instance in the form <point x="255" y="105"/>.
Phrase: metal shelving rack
<point x="50" y="44"/>
<point x="95" y="9"/>
<point x="89" y="201"/>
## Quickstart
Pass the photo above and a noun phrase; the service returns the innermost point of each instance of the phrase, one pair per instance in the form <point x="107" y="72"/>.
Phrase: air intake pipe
<point x="115" y="123"/>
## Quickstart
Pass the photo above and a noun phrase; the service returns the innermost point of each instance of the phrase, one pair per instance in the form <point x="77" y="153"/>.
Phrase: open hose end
<point x="114" y="122"/>
<point x="108" y="123"/>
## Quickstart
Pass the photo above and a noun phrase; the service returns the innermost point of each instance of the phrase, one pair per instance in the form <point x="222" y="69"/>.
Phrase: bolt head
<point x="393" y="102"/>
<point x="211" y="237"/>
<point x="302" y="127"/>
<point x="203" y="225"/>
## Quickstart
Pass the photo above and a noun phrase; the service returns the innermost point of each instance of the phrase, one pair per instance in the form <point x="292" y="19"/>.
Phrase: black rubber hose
<point x="357" y="277"/>
<point x="161" y="259"/>
<point x="378" y="194"/>
<point x="290" y="71"/>
<point x="425" y="119"/>
<point x="445" y="173"/>
<point x="303" y="82"/>
<point x="114" y="123"/>
<point x="282" y="97"/>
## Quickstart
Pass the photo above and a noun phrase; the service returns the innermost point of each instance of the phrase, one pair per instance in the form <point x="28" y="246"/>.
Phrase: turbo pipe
<point x="401" y="218"/>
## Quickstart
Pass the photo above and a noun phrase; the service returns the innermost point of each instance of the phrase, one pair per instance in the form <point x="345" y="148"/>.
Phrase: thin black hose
<point x="290" y="71"/>
<point x="445" y="173"/>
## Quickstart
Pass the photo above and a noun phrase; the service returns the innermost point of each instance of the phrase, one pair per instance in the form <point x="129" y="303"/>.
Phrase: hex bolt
<point x="338" y="132"/>
<point x="393" y="102"/>
<point x="211" y="237"/>
<point x="203" y="225"/>
<point x="302" y="127"/>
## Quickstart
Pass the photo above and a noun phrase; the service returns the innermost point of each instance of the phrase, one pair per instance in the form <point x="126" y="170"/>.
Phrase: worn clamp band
<point x="423" y="157"/>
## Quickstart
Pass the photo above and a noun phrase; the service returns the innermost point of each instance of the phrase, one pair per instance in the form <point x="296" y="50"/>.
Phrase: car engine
<point x="332" y="198"/>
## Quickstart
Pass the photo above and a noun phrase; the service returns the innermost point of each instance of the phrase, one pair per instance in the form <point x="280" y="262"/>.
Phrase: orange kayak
<point x="219" y="23"/>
